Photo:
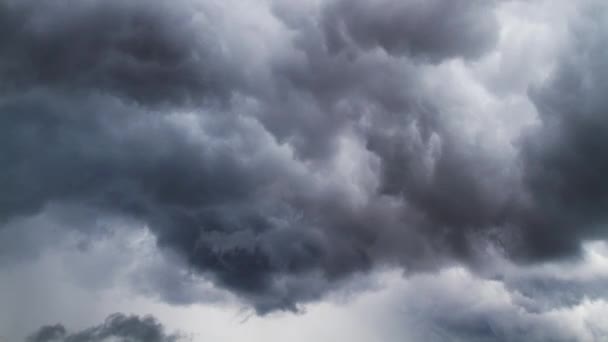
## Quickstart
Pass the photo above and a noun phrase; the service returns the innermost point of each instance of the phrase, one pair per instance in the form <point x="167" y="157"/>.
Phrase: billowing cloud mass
<point x="432" y="30"/>
<point x="117" y="327"/>
<point x="278" y="149"/>
<point x="565" y="159"/>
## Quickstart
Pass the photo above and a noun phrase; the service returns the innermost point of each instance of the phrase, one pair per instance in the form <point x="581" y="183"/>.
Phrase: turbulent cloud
<point x="344" y="144"/>
<point x="149" y="52"/>
<point x="117" y="327"/>
<point x="432" y="30"/>
<point x="565" y="157"/>
<point x="456" y="305"/>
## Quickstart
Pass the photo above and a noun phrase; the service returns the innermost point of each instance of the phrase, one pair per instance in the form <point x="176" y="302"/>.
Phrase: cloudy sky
<point x="319" y="170"/>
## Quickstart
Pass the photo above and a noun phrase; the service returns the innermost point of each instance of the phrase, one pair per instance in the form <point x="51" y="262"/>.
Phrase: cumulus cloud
<point x="277" y="173"/>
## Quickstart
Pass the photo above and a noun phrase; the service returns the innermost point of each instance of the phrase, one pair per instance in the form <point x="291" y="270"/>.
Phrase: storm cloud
<point x="566" y="157"/>
<point x="432" y="30"/>
<point x="281" y="152"/>
<point x="117" y="327"/>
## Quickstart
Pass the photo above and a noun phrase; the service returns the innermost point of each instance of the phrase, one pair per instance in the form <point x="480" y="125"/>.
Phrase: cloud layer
<point x="280" y="152"/>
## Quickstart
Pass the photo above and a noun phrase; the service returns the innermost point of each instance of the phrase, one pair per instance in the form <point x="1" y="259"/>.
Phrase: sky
<point x="326" y="170"/>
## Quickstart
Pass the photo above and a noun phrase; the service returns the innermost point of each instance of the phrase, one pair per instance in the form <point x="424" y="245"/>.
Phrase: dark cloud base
<point x="117" y="327"/>
<point x="149" y="111"/>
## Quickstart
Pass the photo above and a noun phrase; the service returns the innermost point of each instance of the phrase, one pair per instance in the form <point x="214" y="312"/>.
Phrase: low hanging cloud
<point x="117" y="327"/>
<point x="278" y="173"/>
<point x="557" y="301"/>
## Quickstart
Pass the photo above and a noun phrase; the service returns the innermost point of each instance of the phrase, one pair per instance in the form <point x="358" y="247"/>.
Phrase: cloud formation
<point x="432" y="30"/>
<point x="558" y="301"/>
<point x="564" y="158"/>
<point x="279" y="172"/>
<point x="117" y="327"/>
<point x="150" y="53"/>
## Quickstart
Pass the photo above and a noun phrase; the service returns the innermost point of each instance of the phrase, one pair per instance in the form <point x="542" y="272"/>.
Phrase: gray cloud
<point x="432" y="30"/>
<point x="49" y="333"/>
<point x="149" y="52"/>
<point x="564" y="159"/>
<point x="117" y="327"/>
<point x="456" y="306"/>
<point x="278" y="175"/>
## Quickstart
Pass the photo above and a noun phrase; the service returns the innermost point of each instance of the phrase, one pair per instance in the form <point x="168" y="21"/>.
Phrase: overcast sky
<point x="320" y="170"/>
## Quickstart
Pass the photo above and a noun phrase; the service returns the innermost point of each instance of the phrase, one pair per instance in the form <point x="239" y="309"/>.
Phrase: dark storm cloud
<point x="144" y="168"/>
<point x="150" y="112"/>
<point x="147" y="51"/>
<point x="117" y="327"/>
<point x="339" y="75"/>
<point x="432" y="30"/>
<point x="426" y="164"/>
<point x="211" y="199"/>
<point x="566" y="158"/>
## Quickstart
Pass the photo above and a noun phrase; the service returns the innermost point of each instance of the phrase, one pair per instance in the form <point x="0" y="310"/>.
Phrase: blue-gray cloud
<point x="239" y="164"/>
